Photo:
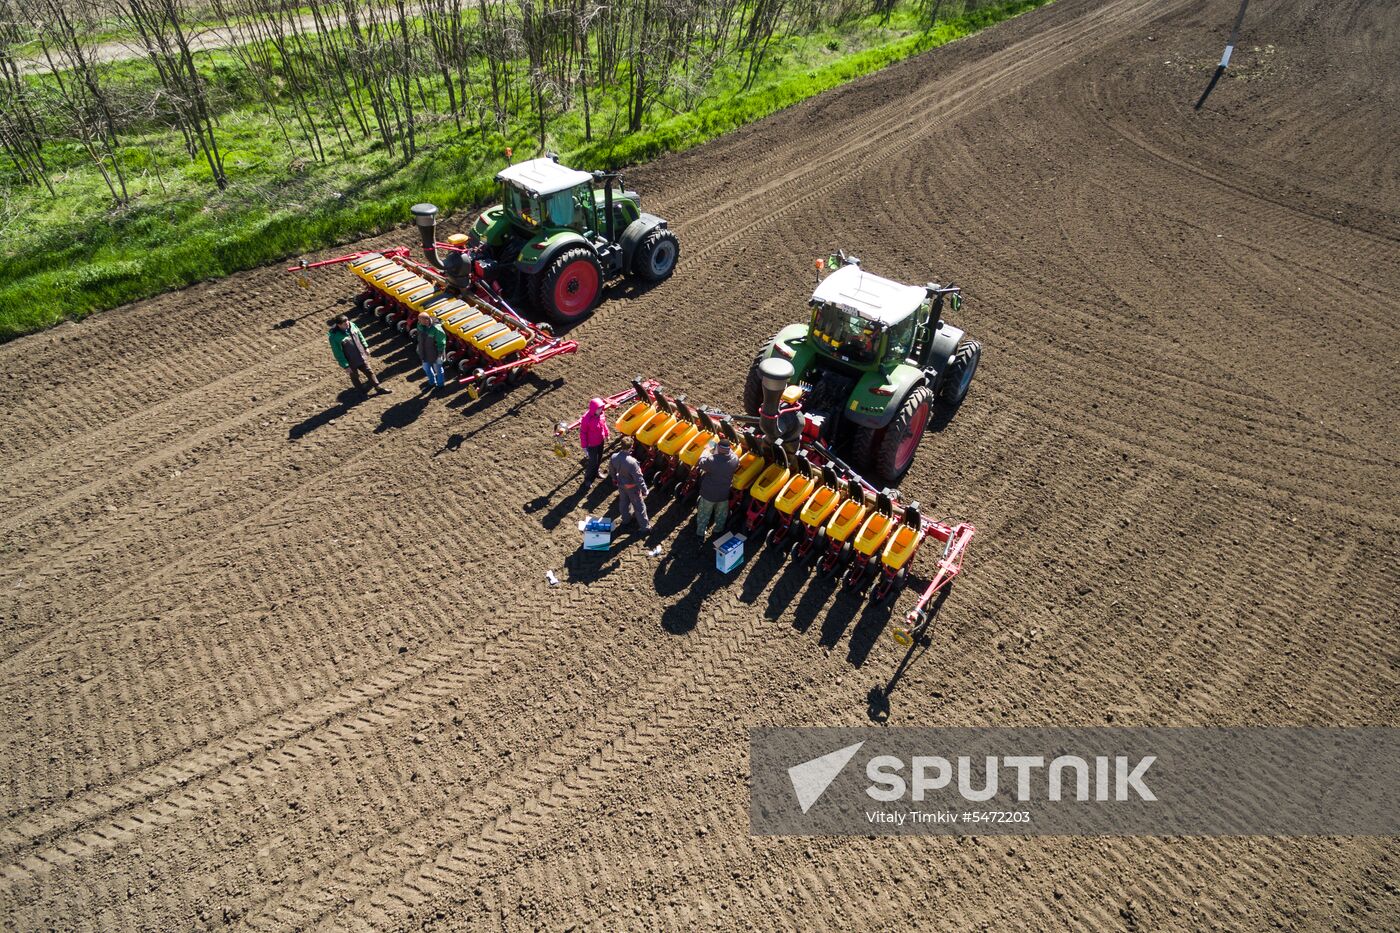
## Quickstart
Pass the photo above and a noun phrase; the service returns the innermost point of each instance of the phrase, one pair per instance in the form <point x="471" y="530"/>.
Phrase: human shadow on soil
<point x="402" y="413"/>
<point x="347" y="399"/>
<point x="592" y="497"/>
<point x="583" y="566"/>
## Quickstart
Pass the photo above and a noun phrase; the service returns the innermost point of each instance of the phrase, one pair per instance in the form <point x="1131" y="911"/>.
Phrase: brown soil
<point x="276" y="661"/>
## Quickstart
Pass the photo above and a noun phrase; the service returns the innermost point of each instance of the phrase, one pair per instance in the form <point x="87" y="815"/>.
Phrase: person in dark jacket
<point x="716" y="468"/>
<point x="352" y="353"/>
<point x="626" y="474"/>
<point x="432" y="348"/>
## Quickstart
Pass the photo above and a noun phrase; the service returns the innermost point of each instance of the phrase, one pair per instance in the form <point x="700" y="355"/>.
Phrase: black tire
<point x="531" y="288"/>
<point x="656" y="256"/>
<point x="958" y="379"/>
<point x="589" y="278"/>
<point x="884" y="448"/>
<point x="753" y="386"/>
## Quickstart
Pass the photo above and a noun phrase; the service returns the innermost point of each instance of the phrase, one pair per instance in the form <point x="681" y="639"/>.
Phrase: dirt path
<point x="202" y="38"/>
<point x="279" y="662"/>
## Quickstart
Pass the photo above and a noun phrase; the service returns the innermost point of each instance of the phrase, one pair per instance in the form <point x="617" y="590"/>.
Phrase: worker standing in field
<point x="432" y="347"/>
<point x="631" y="490"/>
<point x="352" y="353"/>
<point x="593" y="433"/>
<point x="716" y="469"/>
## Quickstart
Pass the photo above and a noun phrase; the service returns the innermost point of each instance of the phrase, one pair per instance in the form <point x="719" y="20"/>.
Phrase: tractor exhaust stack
<point x="775" y="373"/>
<point x="425" y="218"/>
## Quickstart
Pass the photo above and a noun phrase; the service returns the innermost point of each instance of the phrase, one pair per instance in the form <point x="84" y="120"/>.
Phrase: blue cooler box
<point x="729" y="552"/>
<point x="597" y="534"/>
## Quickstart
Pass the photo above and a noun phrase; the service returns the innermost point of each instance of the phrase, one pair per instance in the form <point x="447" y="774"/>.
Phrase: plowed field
<point x="276" y="658"/>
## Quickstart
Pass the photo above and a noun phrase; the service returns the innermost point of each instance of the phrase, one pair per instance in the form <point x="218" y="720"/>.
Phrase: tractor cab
<point x="541" y="193"/>
<point x="866" y="321"/>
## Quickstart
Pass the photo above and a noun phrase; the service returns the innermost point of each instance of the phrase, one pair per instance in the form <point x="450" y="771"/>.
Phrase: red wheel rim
<point x="910" y="444"/>
<point x="576" y="288"/>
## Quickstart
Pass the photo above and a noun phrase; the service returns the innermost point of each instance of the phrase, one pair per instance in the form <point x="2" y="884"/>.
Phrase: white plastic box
<point x="729" y="552"/>
<point x="597" y="533"/>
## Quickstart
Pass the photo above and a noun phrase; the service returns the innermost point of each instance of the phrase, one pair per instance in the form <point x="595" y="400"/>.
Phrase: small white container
<point x="597" y="533"/>
<point x="729" y="552"/>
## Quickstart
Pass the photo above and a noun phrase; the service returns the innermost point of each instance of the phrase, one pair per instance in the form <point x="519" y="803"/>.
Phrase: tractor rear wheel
<point x="958" y="379"/>
<point x="656" y="256"/>
<point x="753" y="386"/>
<point x="889" y="451"/>
<point x="569" y="286"/>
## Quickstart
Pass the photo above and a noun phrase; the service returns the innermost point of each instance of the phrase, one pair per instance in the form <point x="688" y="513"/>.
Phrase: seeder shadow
<point x="449" y="446"/>
<point x="518" y="401"/>
<point x="878" y="700"/>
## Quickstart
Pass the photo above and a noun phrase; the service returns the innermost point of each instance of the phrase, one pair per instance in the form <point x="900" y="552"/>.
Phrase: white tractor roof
<point x="871" y="297"/>
<point x="542" y="177"/>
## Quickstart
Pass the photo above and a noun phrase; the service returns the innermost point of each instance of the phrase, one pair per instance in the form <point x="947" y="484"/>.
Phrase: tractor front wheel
<point x="656" y="257"/>
<point x="958" y="379"/>
<point x="569" y="286"/>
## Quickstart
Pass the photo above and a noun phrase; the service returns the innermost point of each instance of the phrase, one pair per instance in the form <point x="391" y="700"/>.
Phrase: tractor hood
<point x="871" y="297"/>
<point x="542" y="177"/>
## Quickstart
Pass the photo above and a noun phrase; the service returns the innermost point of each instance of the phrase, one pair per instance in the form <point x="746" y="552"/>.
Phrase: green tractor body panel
<point x="540" y="249"/>
<point x="880" y="393"/>
<point x="492" y="227"/>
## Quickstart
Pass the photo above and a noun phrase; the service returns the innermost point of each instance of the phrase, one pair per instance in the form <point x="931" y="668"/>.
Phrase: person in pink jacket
<point x="593" y="433"/>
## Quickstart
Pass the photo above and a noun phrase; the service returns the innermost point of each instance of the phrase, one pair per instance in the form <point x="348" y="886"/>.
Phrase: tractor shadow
<point x="942" y="416"/>
<point x="878" y="700"/>
<point x="628" y="289"/>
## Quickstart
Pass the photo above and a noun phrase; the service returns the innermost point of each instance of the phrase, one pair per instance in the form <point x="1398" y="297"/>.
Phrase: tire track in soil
<point x="610" y="743"/>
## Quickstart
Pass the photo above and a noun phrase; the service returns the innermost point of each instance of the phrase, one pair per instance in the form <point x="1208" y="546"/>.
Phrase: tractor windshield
<point x="519" y="204"/>
<point x="847" y="335"/>
<point x="561" y="209"/>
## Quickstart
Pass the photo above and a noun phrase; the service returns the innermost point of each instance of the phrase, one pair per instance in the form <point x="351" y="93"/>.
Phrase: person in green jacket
<point x="432" y="348"/>
<point x="352" y="353"/>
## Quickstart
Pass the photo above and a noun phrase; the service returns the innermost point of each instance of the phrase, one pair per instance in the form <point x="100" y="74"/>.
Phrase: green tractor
<point x="874" y="361"/>
<point x="559" y="234"/>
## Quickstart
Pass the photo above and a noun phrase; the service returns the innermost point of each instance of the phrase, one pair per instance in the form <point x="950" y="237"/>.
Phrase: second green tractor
<point x="878" y="363"/>
<point x="559" y="234"/>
